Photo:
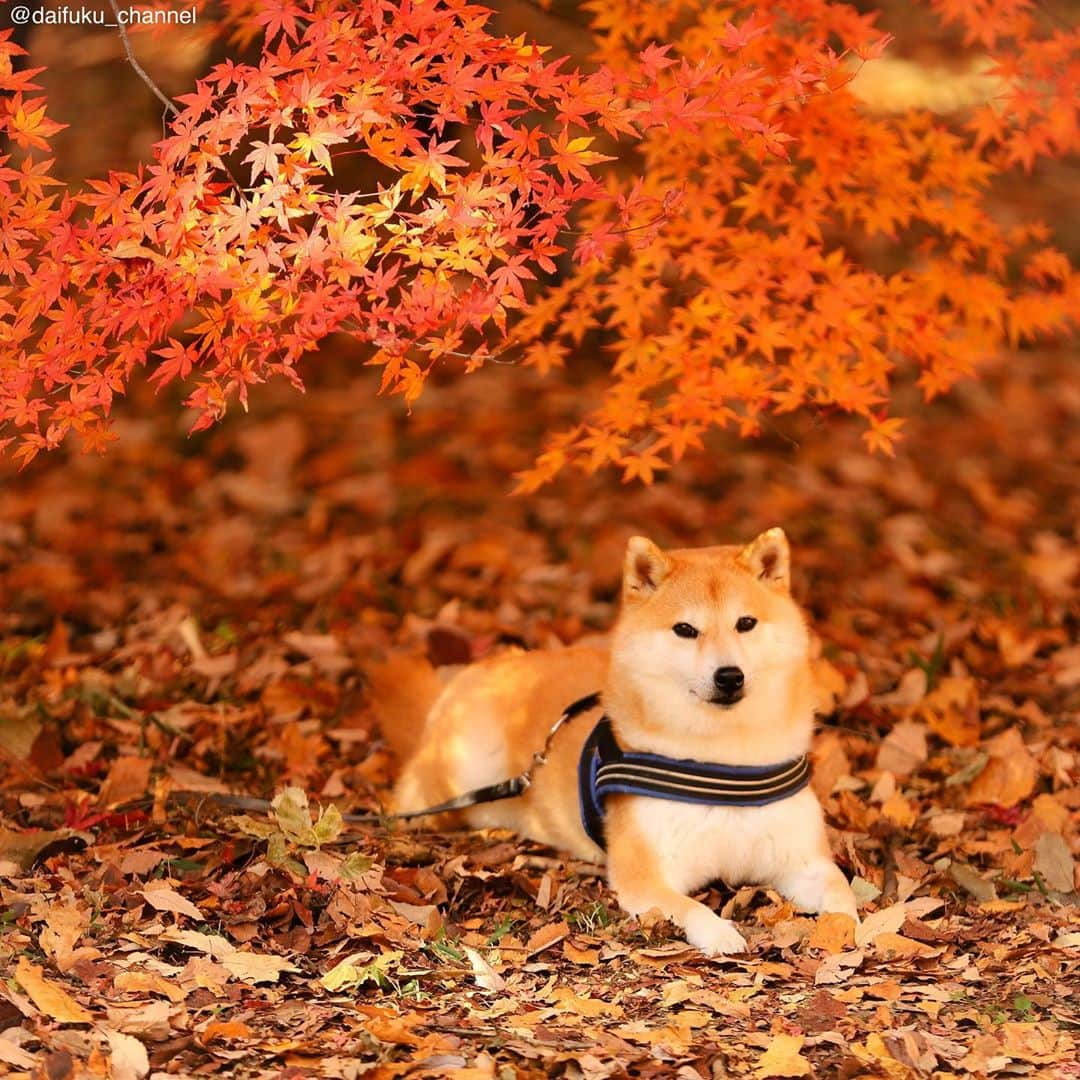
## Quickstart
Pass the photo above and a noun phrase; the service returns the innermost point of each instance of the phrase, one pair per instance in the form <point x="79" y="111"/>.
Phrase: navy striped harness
<point x="606" y="769"/>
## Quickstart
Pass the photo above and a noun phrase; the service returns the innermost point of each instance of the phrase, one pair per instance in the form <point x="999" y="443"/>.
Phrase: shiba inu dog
<point x="708" y="670"/>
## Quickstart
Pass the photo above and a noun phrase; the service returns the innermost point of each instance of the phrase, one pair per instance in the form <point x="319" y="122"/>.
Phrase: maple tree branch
<point x="170" y="107"/>
<point x="139" y="70"/>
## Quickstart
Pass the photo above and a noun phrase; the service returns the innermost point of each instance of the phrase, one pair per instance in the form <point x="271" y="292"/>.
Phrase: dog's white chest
<point x="737" y="844"/>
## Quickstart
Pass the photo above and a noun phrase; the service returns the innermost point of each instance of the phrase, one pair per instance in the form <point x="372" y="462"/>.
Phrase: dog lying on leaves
<point x="700" y="771"/>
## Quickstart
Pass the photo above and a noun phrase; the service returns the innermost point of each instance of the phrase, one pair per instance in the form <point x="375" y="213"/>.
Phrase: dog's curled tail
<point x="402" y="690"/>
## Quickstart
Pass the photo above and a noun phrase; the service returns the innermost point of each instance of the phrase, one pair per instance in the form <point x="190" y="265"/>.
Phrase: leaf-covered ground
<point x="197" y="615"/>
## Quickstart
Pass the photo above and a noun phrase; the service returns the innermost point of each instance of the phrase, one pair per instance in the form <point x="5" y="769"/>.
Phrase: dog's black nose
<point x="728" y="680"/>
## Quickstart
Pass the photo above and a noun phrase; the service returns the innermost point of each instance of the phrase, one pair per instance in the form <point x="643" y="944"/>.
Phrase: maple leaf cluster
<point x="817" y="262"/>
<point x="261" y="268"/>
<point x="721" y="276"/>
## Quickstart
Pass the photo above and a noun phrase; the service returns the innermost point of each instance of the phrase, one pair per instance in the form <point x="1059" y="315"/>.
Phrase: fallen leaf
<point x="1055" y="862"/>
<point x="904" y="749"/>
<point x="886" y="921"/>
<point x="486" y="976"/>
<point x="1009" y="775"/>
<point x="11" y="1054"/>
<point x="909" y="691"/>
<point x="128" y="780"/>
<point x="163" y="897"/>
<point x="55" y="1002"/>
<point x="148" y="982"/>
<point x="128" y="1059"/>
<point x="224" y="1029"/>
<point x="152" y="1021"/>
<point x="951" y="711"/>
<point x="64" y="925"/>
<point x="21" y="848"/>
<point x="589" y="957"/>
<point x="972" y="882"/>
<point x="256" y="967"/>
<point x="545" y="937"/>
<point x="783" y="1058"/>
<point x="359" y="968"/>
<point x="947" y="824"/>
<point x="899" y="810"/>
<point x="141" y="861"/>
<point x="212" y="944"/>
<point x="833" y="931"/>
<point x="889" y="944"/>
<point x="571" y="1001"/>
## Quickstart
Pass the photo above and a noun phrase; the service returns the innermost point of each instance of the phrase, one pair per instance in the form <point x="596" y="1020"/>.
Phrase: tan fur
<point x="492" y="716"/>
<point x="402" y="690"/>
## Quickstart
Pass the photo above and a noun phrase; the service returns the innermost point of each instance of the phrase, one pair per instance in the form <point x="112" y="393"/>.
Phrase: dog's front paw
<point x="712" y="935"/>
<point x="820" y="886"/>
<point x="842" y="902"/>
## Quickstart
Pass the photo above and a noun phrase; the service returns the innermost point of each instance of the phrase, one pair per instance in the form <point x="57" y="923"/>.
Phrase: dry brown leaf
<point x="833" y="931"/>
<point x="54" y="1001"/>
<point x="590" y="957"/>
<point x="64" y="925"/>
<point x="19" y="849"/>
<point x="909" y="691"/>
<point x="951" y="711"/>
<point x="830" y="763"/>
<point x="128" y="780"/>
<point x="486" y="976"/>
<point x="141" y="861"/>
<point x="224" y="1029"/>
<point x="128" y="1059"/>
<point x="1047" y="815"/>
<point x="889" y="944"/>
<point x="829" y="686"/>
<point x="152" y="1020"/>
<point x="201" y="971"/>
<point x="163" y="897"/>
<point x="783" y="1058"/>
<point x="545" y="937"/>
<point x="570" y="1001"/>
<point x="1009" y="776"/>
<point x="256" y="967"/>
<point x="899" y="811"/>
<point x="974" y="883"/>
<point x="947" y="824"/>
<point x="149" y="982"/>
<point x="903" y="749"/>
<point x="11" y="1054"/>
<point x="888" y="920"/>
<point x="1055" y="862"/>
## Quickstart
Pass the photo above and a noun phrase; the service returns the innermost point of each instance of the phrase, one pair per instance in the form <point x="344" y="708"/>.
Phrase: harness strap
<point x="606" y="769"/>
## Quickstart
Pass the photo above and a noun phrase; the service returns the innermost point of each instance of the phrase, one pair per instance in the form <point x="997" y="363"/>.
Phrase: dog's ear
<point x="645" y="567"/>
<point x="768" y="558"/>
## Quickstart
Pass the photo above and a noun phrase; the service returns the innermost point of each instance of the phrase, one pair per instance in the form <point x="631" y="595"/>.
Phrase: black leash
<point x="604" y="768"/>
<point x="505" y="789"/>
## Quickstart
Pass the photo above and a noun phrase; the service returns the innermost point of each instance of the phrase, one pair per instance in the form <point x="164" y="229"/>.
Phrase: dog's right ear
<point x="645" y="567"/>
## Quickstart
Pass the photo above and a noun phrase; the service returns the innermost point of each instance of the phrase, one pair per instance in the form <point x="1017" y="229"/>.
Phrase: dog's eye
<point x="684" y="629"/>
<point x="746" y="623"/>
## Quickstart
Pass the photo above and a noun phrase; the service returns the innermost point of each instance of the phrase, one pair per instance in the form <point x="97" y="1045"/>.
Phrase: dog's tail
<point x="402" y="690"/>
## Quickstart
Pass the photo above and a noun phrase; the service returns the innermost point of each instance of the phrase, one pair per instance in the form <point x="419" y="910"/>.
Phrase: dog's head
<point x="715" y="627"/>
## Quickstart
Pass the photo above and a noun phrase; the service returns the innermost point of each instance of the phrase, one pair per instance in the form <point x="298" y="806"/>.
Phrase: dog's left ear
<point x="644" y="568"/>
<point x="768" y="558"/>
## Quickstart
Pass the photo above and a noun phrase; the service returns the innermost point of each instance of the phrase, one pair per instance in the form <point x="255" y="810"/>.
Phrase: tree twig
<point x="128" y="52"/>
